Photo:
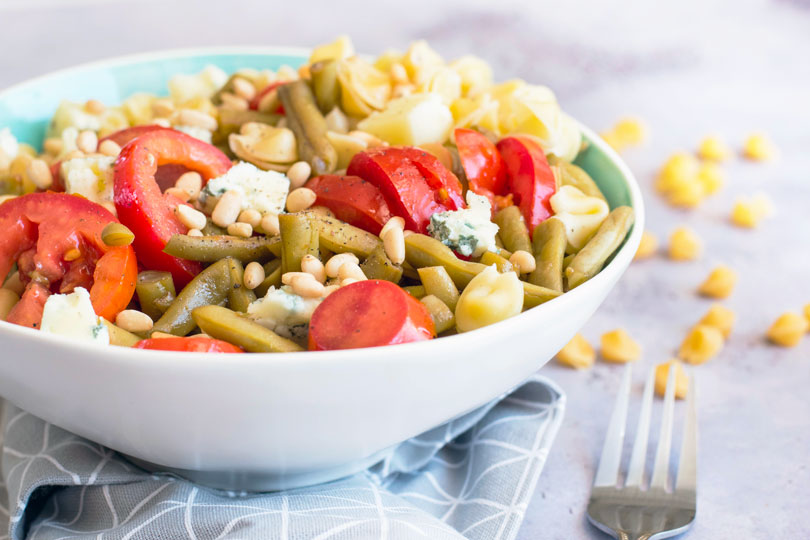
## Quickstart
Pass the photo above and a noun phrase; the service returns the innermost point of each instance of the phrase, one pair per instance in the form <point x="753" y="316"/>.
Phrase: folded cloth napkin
<point x="470" y="478"/>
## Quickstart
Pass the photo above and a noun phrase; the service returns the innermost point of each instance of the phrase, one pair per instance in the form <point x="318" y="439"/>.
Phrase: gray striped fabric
<point x="471" y="478"/>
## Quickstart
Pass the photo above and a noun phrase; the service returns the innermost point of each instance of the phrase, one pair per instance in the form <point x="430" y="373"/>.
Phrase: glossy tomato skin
<point x="369" y="313"/>
<point x="188" y="344"/>
<point x="531" y="181"/>
<point x="482" y="163"/>
<point x="352" y="200"/>
<point x="413" y="182"/>
<point x="145" y="210"/>
<point x="123" y="136"/>
<point x="39" y="230"/>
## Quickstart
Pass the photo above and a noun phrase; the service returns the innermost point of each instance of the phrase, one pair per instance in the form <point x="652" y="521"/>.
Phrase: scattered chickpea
<point x="719" y="317"/>
<point x="711" y="177"/>
<point x="577" y="353"/>
<point x="619" y="347"/>
<point x="788" y="329"/>
<point x="647" y="247"/>
<point x="701" y="344"/>
<point x="681" y="378"/>
<point x="684" y="245"/>
<point x="720" y="283"/>
<point x="713" y="148"/>
<point x="758" y="147"/>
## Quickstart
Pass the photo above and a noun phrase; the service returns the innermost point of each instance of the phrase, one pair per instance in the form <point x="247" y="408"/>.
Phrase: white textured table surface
<point x="688" y="68"/>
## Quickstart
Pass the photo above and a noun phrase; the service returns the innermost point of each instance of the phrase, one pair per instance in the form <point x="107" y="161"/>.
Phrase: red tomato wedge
<point x="149" y="213"/>
<point x="188" y="344"/>
<point x="414" y="183"/>
<point x="40" y="231"/>
<point x="483" y="165"/>
<point x="368" y="313"/>
<point x="257" y="99"/>
<point x="531" y="181"/>
<point x="123" y="136"/>
<point x="352" y="200"/>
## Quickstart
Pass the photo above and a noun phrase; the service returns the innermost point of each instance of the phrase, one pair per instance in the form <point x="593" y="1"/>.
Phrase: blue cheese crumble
<point x="284" y="312"/>
<point x="72" y="315"/>
<point x="469" y="231"/>
<point x="264" y="191"/>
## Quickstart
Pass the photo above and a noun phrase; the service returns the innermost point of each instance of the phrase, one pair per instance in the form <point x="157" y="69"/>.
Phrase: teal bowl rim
<point x="620" y="260"/>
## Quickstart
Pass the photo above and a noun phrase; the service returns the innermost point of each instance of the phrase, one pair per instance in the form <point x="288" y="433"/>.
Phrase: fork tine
<point x="687" y="465"/>
<point x="635" y="473"/>
<point x="661" y="466"/>
<point x="607" y="473"/>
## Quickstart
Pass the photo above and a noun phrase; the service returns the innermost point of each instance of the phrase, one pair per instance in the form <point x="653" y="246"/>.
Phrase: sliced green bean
<point x="155" y="292"/>
<point x="227" y="325"/>
<point x="534" y="295"/>
<point x="214" y="248"/>
<point x="119" y="336"/>
<point x="607" y="239"/>
<point x="299" y="237"/>
<point x="567" y="260"/>
<point x="417" y="291"/>
<point x="211" y="229"/>
<point x="272" y="272"/>
<point x="549" y="243"/>
<point x="572" y="175"/>
<point x="211" y="286"/>
<point x="340" y="237"/>
<point x="325" y="85"/>
<point x="306" y="121"/>
<point x="378" y="266"/>
<point x="442" y="315"/>
<point x="422" y="250"/>
<point x="512" y="229"/>
<point x="239" y="296"/>
<point x="501" y="263"/>
<point x="437" y="282"/>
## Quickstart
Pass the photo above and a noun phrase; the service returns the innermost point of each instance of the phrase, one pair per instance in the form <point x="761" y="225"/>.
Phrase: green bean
<point x="549" y="243"/>
<point x="534" y="295"/>
<point x="299" y="237"/>
<point x="512" y="229"/>
<point x="325" y="84"/>
<point x="214" y="248"/>
<point x="210" y="286"/>
<point x="155" y="292"/>
<point x="437" y="283"/>
<point x="571" y="175"/>
<point x="306" y="121"/>
<point x="501" y="263"/>
<point x="442" y="315"/>
<point x="211" y="229"/>
<point x="409" y="271"/>
<point x="272" y="272"/>
<point x="119" y="336"/>
<point x="567" y="260"/>
<point x="378" y="266"/>
<point x="227" y="325"/>
<point x="417" y="291"/>
<point x="422" y="250"/>
<point x="239" y="296"/>
<point x="607" y="239"/>
<point x="340" y="237"/>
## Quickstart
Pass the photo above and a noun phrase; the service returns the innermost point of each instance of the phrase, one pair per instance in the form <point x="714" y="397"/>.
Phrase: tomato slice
<point x="413" y="182"/>
<point x="369" y="313"/>
<point x="254" y="103"/>
<point x="352" y="200"/>
<point x="145" y="210"/>
<point x="188" y="344"/>
<point x="41" y="230"/>
<point x="530" y="178"/>
<point x="123" y="136"/>
<point x="483" y="165"/>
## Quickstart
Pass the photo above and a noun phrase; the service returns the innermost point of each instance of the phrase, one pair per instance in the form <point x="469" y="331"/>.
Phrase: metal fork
<point x="632" y="512"/>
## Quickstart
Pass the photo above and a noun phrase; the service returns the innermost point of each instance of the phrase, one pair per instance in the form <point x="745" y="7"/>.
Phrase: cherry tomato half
<point x="352" y="200"/>
<point x="188" y="344"/>
<point x="483" y="166"/>
<point x="55" y="239"/>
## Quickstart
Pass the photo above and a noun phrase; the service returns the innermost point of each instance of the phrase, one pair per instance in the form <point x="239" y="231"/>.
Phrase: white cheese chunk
<point x="8" y="143"/>
<point x="72" y="315"/>
<point x="411" y="120"/>
<point x="264" y="191"/>
<point x="284" y="312"/>
<point x="469" y="231"/>
<point x="91" y="177"/>
<point x="184" y="87"/>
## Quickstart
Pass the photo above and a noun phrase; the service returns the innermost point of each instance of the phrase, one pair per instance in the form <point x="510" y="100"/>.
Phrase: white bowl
<point x="276" y="421"/>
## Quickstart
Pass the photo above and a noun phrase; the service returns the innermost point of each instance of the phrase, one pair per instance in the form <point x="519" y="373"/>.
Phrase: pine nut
<point x="71" y="255"/>
<point x="243" y="88"/>
<point x="116" y="234"/>
<point x="299" y="174"/>
<point x="336" y="261"/>
<point x="254" y="275"/>
<point x="306" y="286"/>
<point x="94" y="106"/>
<point x="313" y="265"/>
<point x="109" y="148"/>
<point x="287" y="278"/>
<point x="191" y="117"/>
<point x="14" y="283"/>
<point x="133" y="320"/>
<point x="398" y="73"/>
<point x="52" y="146"/>
<point x="162" y="122"/>
<point x="39" y="173"/>
<point x="197" y="233"/>
<point x="242" y="230"/>
<point x="351" y="270"/>
<point x="523" y="261"/>
<point x="300" y="199"/>
<point x="270" y="224"/>
<point x="177" y="192"/>
<point x="227" y="209"/>
<point x="394" y="245"/>
<point x="394" y="222"/>
<point x="348" y="281"/>
<point x="251" y="217"/>
<point x="4" y="198"/>
<point x="162" y="107"/>
<point x="87" y="141"/>
<point x="193" y="219"/>
<point x="191" y="183"/>
<point x="160" y="335"/>
<point x="8" y="299"/>
<point x="329" y="289"/>
<point x="234" y="102"/>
